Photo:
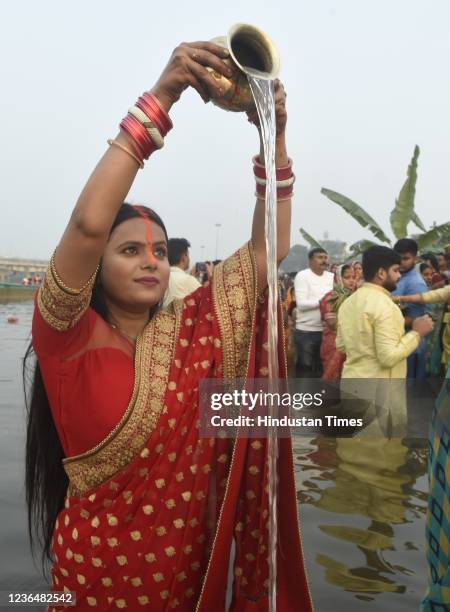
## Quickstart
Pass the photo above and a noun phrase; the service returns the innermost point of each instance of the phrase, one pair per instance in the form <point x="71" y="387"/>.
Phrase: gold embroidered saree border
<point x="155" y="351"/>
<point x="62" y="307"/>
<point x="234" y="297"/>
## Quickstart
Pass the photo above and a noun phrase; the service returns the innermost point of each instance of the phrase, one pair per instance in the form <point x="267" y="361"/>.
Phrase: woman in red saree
<point x="332" y="359"/>
<point x="134" y="508"/>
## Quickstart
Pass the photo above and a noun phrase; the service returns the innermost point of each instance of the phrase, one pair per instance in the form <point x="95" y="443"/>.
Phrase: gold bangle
<point x="63" y="286"/>
<point x="115" y="143"/>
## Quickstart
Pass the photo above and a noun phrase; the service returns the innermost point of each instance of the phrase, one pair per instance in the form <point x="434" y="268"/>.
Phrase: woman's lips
<point x="148" y="281"/>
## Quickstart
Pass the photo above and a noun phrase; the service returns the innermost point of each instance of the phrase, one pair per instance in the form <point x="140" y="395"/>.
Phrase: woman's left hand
<point x="280" y="110"/>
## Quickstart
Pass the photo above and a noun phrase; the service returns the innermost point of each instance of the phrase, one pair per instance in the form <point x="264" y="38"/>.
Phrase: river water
<point x="361" y="504"/>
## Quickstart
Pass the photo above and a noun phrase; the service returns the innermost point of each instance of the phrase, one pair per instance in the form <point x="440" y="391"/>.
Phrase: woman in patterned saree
<point x="437" y="598"/>
<point x="133" y="507"/>
<point x="344" y="285"/>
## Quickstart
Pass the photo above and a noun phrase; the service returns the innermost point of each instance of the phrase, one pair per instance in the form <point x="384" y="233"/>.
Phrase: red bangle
<point x="155" y="113"/>
<point x="260" y="189"/>
<point x="154" y="118"/>
<point x="134" y="145"/>
<point x="282" y="192"/>
<point x="164" y="115"/>
<point x="136" y="136"/>
<point x="281" y="173"/>
<point x="139" y="134"/>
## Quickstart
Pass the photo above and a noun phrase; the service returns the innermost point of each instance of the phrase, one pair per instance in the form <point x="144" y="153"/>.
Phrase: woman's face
<point x="442" y="263"/>
<point x="427" y="275"/>
<point x="357" y="267"/>
<point x="348" y="279"/>
<point x="135" y="268"/>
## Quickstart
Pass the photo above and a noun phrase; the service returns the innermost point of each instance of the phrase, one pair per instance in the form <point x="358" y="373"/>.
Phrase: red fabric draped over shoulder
<point x="153" y="508"/>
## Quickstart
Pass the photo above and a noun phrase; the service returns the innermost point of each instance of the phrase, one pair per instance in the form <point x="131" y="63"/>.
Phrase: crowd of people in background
<point x="184" y="278"/>
<point x="382" y="317"/>
<point x="386" y="316"/>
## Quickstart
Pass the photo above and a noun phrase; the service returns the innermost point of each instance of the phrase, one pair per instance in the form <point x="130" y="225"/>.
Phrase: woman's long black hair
<point x="45" y="479"/>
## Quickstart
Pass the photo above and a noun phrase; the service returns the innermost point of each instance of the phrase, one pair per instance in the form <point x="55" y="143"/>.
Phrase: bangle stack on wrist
<point x="146" y="125"/>
<point x="285" y="180"/>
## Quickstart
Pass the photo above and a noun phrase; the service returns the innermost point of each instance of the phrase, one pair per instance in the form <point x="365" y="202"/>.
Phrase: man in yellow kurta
<point x="371" y="332"/>
<point x="371" y="327"/>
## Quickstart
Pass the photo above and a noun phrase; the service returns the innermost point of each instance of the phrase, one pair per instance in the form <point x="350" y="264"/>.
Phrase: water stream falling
<point x="263" y="94"/>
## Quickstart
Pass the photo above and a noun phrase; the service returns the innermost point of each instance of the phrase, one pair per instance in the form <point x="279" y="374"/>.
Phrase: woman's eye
<point x="160" y="253"/>
<point x="131" y="250"/>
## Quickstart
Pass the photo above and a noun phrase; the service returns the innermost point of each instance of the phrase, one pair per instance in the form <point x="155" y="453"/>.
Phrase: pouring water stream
<point x="264" y="96"/>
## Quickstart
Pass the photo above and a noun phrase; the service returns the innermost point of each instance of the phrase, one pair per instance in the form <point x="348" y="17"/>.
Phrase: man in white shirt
<point x="181" y="284"/>
<point x="310" y="286"/>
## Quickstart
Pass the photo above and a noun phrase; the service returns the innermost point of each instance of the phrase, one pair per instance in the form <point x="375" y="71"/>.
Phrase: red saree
<point x="332" y="359"/>
<point x="152" y="510"/>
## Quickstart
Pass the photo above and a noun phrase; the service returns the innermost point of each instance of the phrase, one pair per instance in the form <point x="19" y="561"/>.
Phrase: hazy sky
<point x="366" y="81"/>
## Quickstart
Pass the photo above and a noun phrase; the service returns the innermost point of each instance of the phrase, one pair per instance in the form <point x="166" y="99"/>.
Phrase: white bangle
<point x="283" y="199"/>
<point x="152" y="130"/>
<point x="287" y="182"/>
<point x="280" y="184"/>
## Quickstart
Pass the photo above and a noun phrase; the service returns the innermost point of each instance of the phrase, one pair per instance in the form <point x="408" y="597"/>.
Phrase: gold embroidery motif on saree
<point x="234" y="291"/>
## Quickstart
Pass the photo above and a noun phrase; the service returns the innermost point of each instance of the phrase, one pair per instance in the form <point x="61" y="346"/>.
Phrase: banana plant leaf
<point x="358" y="247"/>
<point x="358" y="213"/>
<point x="310" y="240"/>
<point x="361" y="246"/>
<point x="434" y="235"/>
<point x="401" y="215"/>
<point x="417" y="222"/>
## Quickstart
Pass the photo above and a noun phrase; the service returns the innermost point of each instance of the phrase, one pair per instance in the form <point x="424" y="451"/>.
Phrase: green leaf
<point x="417" y="222"/>
<point x="312" y="241"/>
<point x="358" y="213"/>
<point x="361" y="246"/>
<point x="434" y="235"/>
<point x="402" y="213"/>
<point x="357" y="248"/>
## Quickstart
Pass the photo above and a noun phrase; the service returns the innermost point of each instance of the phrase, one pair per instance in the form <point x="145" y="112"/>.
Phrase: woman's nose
<point x="149" y="260"/>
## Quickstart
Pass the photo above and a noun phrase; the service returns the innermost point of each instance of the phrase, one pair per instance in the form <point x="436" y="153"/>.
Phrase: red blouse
<point x="87" y="366"/>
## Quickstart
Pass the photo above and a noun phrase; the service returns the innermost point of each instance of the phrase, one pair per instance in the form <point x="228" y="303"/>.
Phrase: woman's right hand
<point x="187" y="67"/>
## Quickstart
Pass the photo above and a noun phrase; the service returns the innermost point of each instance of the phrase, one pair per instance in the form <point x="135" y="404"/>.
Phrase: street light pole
<point x="218" y="226"/>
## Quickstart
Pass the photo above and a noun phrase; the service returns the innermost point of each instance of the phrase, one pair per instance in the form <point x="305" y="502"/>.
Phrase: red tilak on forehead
<point x="148" y="233"/>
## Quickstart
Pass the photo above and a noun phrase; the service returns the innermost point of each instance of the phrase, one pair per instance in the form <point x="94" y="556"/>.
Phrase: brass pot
<point x="252" y="53"/>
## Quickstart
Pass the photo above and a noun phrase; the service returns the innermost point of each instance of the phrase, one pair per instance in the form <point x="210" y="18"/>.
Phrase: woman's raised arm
<point x="86" y="235"/>
<point x="284" y="191"/>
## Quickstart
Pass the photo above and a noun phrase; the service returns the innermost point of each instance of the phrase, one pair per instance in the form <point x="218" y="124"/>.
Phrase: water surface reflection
<point x="362" y="507"/>
<point x="361" y="502"/>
